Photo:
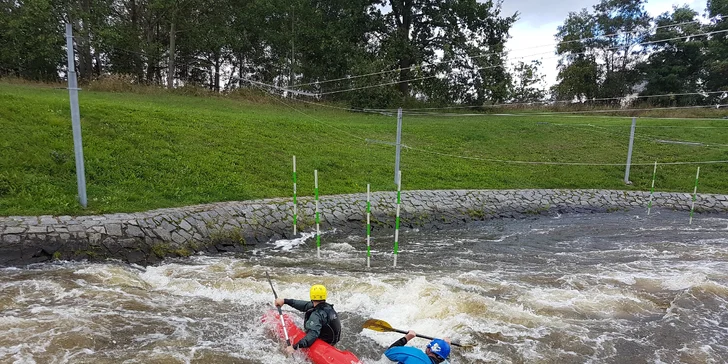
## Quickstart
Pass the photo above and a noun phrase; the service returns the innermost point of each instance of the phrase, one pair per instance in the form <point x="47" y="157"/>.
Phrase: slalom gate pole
<point x="295" y="207"/>
<point x="695" y="195"/>
<point x="652" y="189"/>
<point x="396" y="224"/>
<point x="369" y="225"/>
<point x="316" y="196"/>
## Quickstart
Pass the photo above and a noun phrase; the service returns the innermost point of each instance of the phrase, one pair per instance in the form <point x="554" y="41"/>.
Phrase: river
<point x="577" y="288"/>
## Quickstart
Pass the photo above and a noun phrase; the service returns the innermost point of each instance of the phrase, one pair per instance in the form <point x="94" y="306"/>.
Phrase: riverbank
<point x="148" y="237"/>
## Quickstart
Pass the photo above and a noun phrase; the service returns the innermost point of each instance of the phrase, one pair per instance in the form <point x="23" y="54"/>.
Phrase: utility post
<point x="629" y="153"/>
<point x="75" y="118"/>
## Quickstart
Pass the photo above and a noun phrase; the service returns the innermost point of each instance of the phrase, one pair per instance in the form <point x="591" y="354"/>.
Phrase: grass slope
<point x="147" y="151"/>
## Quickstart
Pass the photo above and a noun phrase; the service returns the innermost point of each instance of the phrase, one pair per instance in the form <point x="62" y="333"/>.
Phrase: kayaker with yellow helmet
<point x="320" y="320"/>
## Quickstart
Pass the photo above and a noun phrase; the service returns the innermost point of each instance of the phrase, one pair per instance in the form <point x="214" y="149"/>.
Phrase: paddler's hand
<point x="290" y="350"/>
<point x="447" y="339"/>
<point x="410" y="335"/>
<point x="279" y="302"/>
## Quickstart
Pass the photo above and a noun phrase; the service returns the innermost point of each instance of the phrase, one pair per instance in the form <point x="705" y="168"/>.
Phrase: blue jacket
<point x="407" y="355"/>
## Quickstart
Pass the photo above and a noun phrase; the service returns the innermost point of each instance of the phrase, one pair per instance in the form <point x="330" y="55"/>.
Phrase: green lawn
<point x="146" y="151"/>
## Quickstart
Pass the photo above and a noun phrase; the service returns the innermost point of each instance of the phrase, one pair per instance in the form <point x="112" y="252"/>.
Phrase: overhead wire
<point x="526" y="114"/>
<point x="568" y="112"/>
<point x="494" y="53"/>
<point x="645" y="137"/>
<point x="321" y="122"/>
<point x="505" y="161"/>
<point x="533" y="114"/>
<point x="547" y="102"/>
<point x="503" y="66"/>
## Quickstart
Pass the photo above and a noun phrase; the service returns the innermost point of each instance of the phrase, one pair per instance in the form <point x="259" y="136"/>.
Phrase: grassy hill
<point x="146" y="151"/>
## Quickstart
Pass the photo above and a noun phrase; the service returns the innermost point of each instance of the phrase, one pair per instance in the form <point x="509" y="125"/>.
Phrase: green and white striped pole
<point x="369" y="224"/>
<point x="318" y="233"/>
<point x="396" y="224"/>
<point x="652" y="190"/>
<point x="295" y="207"/>
<point x="695" y="195"/>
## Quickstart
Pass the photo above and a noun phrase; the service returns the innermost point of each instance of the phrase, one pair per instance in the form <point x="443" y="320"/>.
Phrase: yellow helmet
<point x="318" y="293"/>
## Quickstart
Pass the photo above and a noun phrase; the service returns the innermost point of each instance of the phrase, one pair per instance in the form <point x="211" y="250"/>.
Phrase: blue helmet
<point x="440" y="348"/>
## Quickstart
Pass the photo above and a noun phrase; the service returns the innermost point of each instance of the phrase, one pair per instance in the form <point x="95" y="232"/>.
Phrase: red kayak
<point x="319" y="353"/>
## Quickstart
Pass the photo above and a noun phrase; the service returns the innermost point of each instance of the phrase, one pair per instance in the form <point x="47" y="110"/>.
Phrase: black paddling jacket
<point x="320" y="322"/>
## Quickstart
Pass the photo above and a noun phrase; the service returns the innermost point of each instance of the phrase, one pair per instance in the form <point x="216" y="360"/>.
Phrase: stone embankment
<point x="148" y="237"/>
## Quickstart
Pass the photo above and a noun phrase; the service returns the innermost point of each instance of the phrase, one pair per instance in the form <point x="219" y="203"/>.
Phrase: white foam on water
<point x="659" y="228"/>
<point x="680" y="282"/>
<point x="113" y="275"/>
<point x="211" y="281"/>
<point x="18" y="354"/>
<point x="542" y="231"/>
<point x="599" y="302"/>
<point x="289" y="244"/>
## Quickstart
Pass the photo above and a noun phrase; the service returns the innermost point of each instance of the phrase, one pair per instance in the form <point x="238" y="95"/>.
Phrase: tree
<point x="600" y="50"/>
<point x="674" y="66"/>
<point x="716" y="61"/>
<point x="88" y="19"/>
<point x="626" y="24"/>
<point x="528" y="82"/>
<point x="579" y="73"/>
<point x="31" y="39"/>
<point x="329" y="38"/>
<point x="454" y="47"/>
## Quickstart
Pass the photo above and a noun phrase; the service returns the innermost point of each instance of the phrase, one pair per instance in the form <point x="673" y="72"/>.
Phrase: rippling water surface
<point x="596" y="288"/>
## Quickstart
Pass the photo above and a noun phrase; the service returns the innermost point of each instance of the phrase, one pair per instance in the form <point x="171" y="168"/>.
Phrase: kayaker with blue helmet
<point x="320" y="321"/>
<point x="437" y="351"/>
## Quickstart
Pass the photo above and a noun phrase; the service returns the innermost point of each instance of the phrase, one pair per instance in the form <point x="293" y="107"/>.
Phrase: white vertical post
<point x="318" y="233"/>
<point x="652" y="189"/>
<point x="695" y="195"/>
<point x="629" y="153"/>
<point x="398" y="146"/>
<point x="369" y="225"/>
<point x="396" y="223"/>
<point x="295" y="207"/>
<point x="75" y="118"/>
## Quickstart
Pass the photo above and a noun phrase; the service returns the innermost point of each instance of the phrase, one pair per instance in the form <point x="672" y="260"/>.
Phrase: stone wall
<point x="148" y="237"/>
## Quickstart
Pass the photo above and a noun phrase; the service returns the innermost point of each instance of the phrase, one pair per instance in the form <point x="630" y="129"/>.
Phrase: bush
<point x="120" y="83"/>
<point x="194" y="90"/>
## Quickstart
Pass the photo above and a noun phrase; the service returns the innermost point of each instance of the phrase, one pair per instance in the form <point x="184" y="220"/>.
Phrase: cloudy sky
<point x="532" y="37"/>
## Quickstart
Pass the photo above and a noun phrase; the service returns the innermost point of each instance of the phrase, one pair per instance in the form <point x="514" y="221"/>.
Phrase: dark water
<point x="598" y="288"/>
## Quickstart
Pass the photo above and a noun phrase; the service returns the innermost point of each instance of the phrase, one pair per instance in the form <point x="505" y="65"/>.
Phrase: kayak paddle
<point x="384" y="326"/>
<point x="280" y="313"/>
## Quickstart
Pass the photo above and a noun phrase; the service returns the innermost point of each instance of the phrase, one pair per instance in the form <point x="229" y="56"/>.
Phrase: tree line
<point x="369" y="53"/>
<point x="617" y="49"/>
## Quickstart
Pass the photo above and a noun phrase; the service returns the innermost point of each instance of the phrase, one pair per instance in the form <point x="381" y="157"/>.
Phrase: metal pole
<point x="629" y="153"/>
<point x="75" y="118"/>
<point x="399" y="145"/>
